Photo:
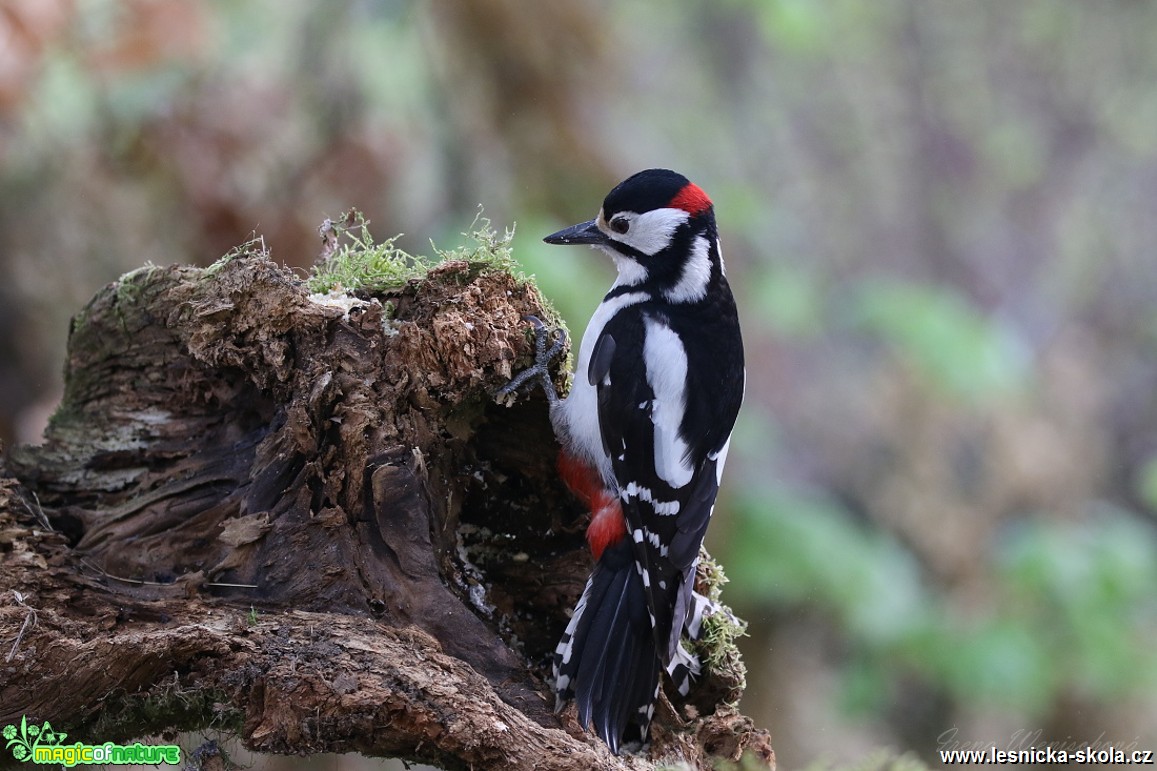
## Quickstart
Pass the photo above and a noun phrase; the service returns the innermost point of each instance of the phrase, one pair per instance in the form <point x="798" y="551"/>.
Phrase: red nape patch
<point x="691" y="199"/>
<point x="607" y="525"/>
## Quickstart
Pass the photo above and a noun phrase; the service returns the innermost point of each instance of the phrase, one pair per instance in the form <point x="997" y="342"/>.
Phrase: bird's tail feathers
<point x="606" y="658"/>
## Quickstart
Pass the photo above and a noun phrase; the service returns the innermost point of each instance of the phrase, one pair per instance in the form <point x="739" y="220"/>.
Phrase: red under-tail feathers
<point x="607" y="525"/>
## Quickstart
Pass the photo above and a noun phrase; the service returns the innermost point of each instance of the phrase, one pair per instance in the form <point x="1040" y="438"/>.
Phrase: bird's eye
<point x="620" y="225"/>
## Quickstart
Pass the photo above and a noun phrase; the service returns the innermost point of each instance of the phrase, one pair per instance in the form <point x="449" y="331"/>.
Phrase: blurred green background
<point x="940" y="219"/>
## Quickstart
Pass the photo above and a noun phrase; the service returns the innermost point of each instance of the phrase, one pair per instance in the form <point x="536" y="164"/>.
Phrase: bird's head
<point x="659" y="228"/>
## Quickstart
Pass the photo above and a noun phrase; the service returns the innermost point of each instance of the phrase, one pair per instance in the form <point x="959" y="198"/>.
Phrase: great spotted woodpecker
<point x="644" y="435"/>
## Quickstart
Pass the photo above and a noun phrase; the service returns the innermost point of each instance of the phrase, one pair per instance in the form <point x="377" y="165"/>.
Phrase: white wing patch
<point x="666" y="363"/>
<point x="692" y="284"/>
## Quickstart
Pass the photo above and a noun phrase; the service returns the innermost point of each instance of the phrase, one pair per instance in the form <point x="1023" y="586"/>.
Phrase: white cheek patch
<point x="650" y="232"/>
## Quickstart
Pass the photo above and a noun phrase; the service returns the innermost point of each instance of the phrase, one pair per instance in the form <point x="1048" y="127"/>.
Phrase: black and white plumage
<point x="645" y="432"/>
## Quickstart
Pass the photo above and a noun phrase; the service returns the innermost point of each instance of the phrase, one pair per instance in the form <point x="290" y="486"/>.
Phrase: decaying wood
<point x="306" y="521"/>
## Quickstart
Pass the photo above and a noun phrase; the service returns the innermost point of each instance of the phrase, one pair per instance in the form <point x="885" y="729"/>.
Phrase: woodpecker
<point x="644" y="433"/>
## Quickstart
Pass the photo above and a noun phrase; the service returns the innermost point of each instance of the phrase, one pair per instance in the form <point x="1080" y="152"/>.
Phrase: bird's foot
<point x="543" y="355"/>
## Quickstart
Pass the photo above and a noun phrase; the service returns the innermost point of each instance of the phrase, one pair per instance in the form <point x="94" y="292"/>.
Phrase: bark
<point x="309" y="523"/>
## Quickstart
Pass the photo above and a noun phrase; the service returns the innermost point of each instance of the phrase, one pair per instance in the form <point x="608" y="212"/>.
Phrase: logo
<point x="43" y="744"/>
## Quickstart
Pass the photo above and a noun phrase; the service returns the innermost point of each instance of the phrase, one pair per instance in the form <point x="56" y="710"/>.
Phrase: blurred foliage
<point x="1074" y="606"/>
<point x="936" y="331"/>
<point x="941" y="505"/>
<point x="878" y="760"/>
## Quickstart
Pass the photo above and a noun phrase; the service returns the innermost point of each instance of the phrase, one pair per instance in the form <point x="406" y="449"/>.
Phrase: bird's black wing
<point x="666" y="474"/>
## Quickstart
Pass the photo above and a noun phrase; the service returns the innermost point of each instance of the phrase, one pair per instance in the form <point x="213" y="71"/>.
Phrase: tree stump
<point x="305" y="520"/>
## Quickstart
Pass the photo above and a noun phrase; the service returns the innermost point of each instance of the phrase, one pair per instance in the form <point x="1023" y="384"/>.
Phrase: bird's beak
<point x="582" y="233"/>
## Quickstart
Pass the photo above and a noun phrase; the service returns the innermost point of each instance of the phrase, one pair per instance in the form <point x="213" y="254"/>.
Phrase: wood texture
<point x="307" y="523"/>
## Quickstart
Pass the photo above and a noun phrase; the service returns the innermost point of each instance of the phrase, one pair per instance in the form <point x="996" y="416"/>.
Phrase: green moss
<point x="355" y="262"/>
<point x="172" y="706"/>
<point x="717" y="646"/>
<point x="490" y="251"/>
<point x="128" y="291"/>
<point x="129" y="286"/>
<point x="255" y="246"/>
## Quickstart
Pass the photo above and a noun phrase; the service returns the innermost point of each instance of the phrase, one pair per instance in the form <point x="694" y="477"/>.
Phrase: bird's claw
<point x="543" y="355"/>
